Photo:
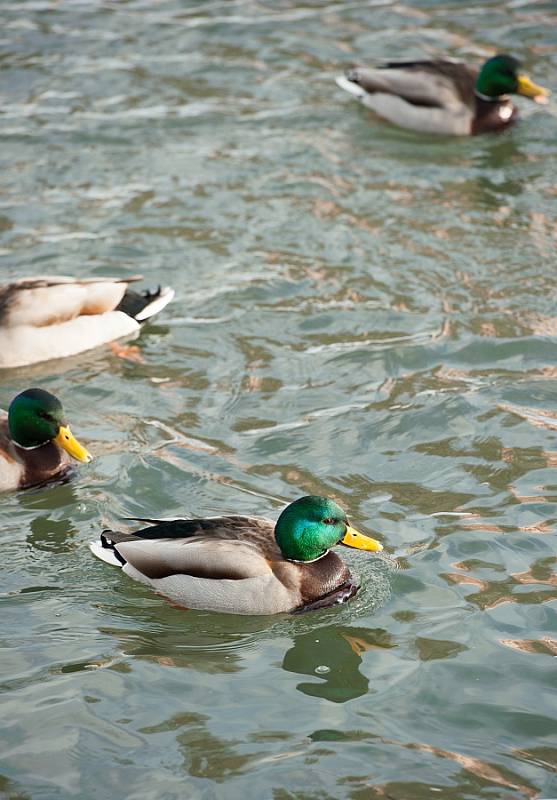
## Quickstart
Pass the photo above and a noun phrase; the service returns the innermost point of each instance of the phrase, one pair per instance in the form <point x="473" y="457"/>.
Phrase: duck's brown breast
<point x="41" y="464"/>
<point x="314" y="580"/>
<point x="493" y="116"/>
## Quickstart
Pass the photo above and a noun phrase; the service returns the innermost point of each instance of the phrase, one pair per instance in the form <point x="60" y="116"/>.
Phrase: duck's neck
<point x="310" y="560"/>
<point x="488" y="99"/>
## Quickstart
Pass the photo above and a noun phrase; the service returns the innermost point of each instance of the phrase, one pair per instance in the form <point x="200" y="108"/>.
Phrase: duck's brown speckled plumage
<point x="228" y="564"/>
<point x="441" y="72"/>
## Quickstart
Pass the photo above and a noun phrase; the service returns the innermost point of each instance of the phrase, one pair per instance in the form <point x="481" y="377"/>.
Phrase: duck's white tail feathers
<point x="161" y="299"/>
<point x="104" y="553"/>
<point x="350" y="87"/>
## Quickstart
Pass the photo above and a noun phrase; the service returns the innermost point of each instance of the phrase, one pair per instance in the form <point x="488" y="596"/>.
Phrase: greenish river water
<point x="361" y="312"/>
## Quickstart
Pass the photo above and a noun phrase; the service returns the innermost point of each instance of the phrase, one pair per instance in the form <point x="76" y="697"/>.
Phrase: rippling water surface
<point x="361" y="312"/>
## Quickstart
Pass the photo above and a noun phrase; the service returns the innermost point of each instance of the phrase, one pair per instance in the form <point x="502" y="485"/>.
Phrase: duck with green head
<point x="444" y="96"/>
<point x="35" y="441"/>
<point x="243" y="565"/>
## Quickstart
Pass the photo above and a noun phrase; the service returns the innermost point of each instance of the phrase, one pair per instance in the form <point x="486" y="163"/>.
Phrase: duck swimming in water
<point x="54" y="316"/>
<point x="243" y="565"/>
<point x="35" y="441"/>
<point x="444" y="96"/>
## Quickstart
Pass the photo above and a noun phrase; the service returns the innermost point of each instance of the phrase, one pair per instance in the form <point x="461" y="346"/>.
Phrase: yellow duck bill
<point x="353" y="538"/>
<point x="67" y="441"/>
<point x="528" y="88"/>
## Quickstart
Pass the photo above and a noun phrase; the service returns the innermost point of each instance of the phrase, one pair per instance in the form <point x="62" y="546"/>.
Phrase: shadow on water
<point x="50" y="528"/>
<point x="153" y="629"/>
<point x="498" y="178"/>
<point x="334" y="654"/>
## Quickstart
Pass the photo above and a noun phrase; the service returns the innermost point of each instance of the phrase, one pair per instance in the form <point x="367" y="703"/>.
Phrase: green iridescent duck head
<point x="310" y="526"/>
<point x="501" y="75"/>
<point x="36" y="417"/>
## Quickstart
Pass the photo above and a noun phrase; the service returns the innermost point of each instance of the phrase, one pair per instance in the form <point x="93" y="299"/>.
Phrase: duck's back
<point x="455" y="76"/>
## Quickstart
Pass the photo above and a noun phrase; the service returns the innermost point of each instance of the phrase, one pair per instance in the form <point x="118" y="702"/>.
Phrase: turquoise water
<point x="361" y="312"/>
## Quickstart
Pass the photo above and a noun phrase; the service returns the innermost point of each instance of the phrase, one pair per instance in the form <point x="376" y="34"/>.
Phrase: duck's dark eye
<point x="329" y="521"/>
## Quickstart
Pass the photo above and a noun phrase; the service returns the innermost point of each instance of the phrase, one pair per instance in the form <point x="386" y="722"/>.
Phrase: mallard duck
<point x="53" y="316"/>
<point x="243" y="565"/>
<point x="35" y="441"/>
<point x="444" y="96"/>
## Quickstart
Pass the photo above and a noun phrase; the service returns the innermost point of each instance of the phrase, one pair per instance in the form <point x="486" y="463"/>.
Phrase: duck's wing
<point x="50" y="300"/>
<point x="218" y="548"/>
<point x="433" y="84"/>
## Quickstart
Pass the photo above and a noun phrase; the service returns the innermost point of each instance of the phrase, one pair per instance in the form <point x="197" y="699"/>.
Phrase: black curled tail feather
<point x="108" y="544"/>
<point x="133" y="303"/>
<point x="141" y="306"/>
<point x="353" y="75"/>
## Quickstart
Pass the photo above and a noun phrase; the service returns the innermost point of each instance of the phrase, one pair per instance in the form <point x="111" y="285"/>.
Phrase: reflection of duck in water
<point x="444" y="96"/>
<point x="334" y="654"/>
<point x="244" y="565"/>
